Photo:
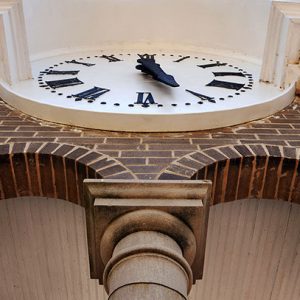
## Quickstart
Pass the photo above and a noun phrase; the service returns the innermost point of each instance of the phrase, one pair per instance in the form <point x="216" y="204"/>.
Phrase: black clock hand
<point x="148" y="65"/>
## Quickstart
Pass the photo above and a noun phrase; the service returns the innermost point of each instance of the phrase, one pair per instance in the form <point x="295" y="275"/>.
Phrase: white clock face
<point x="104" y="90"/>
<point x="111" y="81"/>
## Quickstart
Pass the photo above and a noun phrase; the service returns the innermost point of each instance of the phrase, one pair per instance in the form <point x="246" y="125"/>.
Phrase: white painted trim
<point x="283" y="30"/>
<point x="14" y="53"/>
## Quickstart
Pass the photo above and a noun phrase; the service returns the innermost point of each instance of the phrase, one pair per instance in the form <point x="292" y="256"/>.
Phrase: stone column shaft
<point x="148" y="265"/>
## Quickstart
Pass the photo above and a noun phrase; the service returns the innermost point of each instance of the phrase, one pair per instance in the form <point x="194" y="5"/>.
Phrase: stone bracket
<point x="107" y="200"/>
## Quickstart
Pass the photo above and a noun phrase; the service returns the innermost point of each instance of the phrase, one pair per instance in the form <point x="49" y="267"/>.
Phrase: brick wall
<point x="146" y="155"/>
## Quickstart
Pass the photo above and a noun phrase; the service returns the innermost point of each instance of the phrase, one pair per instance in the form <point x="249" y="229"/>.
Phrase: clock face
<point x="111" y="81"/>
<point x="145" y="90"/>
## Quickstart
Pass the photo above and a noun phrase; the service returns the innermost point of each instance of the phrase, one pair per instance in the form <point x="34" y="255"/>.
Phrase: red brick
<point x="33" y="147"/>
<point x="243" y="150"/>
<point x="189" y="147"/>
<point x="215" y="154"/>
<point x="78" y="152"/>
<point x="290" y="152"/>
<point x="21" y="174"/>
<point x="114" y="147"/>
<point x="191" y="163"/>
<point x="30" y="139"/>
<point x="274" y="150"/>
<point x="127" y="176"/>
<point x="81" y="140"/>
<point x="291" y="137"/>
<point x="258" y="150"/>
<point x="112" y="170"/>
<point x="265" y="142"/>
<point x="204" y="159"/>
<point x="233" y="179"/>
<point x="38" y="128"/>
<point x="60" y="177"/>
<point x="47" y="183"/>
<point x="166" y="141"/>
<point x="147" y="176"/>
<point x="146" y="154"/>
<point x="286" y="178"/>
<point x="266" y="125"/>
<point x="18" y="148"/>
<point x="63" y="150"/>
<point x="245" y="177"/>
<point x="57" y="134"/>
<point x="4" y="149"/>
<point x="49" y="148"/>
<point x="289" y="131"/>
<point x="142" y="161"/>
<point x="146" y="169"/>
<point x="72" y="192"/>
<point x="171" y="176"/>
<point x="234" y="136"/>
<point x="258" y="177"/>
<point x="221" y="181"/>
<point x="81" y="175"/>
<point x="7" y="128"/>
<point x="215" y="141"/>
<point x="6" y="177"/>
<point x="89" y="158"/>
<point x="102" y="163"/>
<point x="271" y="179"/>
<point x="257" y="131"/>
<point x="123" y="141"/>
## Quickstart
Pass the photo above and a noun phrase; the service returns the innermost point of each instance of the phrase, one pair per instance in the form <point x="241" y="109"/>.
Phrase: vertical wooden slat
<point x="252" y="252"/>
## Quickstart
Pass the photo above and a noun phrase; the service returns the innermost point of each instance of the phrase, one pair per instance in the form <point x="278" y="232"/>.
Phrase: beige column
<point x="148" y="265"/>
<point x="151" y="256"/>
<point x="147" y="238"/>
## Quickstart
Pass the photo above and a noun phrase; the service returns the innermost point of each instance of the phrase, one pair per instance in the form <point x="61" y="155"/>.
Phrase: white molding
<point x="14" y="54"/>
<point x="282" y="38"/>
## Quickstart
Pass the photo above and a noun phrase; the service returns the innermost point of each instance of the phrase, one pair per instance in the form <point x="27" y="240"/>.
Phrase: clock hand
<point x="148" y="65"/>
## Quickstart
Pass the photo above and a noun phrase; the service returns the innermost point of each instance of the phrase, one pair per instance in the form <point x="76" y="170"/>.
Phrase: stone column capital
<point x="118" y="208"/>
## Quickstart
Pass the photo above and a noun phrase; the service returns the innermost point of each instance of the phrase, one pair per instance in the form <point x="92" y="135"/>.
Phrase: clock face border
<point x="201" y="102"/>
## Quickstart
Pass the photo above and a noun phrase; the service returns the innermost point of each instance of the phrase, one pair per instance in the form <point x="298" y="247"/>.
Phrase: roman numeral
<point x="53" y="72"/>
<point x="220" y="74"/>
<point x="202" y="97"/>
<point x="111" y="58"/>
<point x="182" y="59"/>
<point x="226" y="85"/>
<point x="91" y="95"/>
<point x="147" y="56"/>
<point x="145" y="99"/>
<point x="79" y="63"/>
<point x="55" y="84"/>
<point x="218" y="64"/>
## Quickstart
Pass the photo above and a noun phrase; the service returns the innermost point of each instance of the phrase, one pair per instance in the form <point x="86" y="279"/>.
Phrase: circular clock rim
<point x="147" y="123"/>
<point x="146" y="119"/>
